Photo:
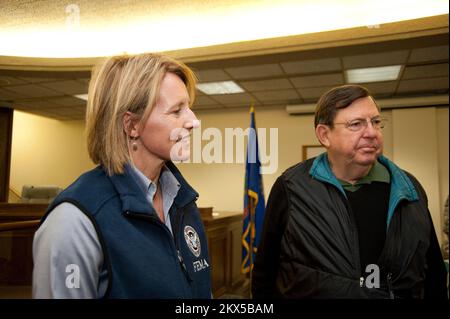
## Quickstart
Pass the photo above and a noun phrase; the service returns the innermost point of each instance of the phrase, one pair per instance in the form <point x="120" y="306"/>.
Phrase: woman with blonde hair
<point x="129" y="228"/>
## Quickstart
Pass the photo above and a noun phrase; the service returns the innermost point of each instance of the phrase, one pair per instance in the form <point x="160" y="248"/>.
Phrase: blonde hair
<point x="120" y="84"/>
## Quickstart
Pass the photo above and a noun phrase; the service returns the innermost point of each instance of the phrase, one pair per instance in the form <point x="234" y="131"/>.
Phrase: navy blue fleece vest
<point x="143" y="259"/>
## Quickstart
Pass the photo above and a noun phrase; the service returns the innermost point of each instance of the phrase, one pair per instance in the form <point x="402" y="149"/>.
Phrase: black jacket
<point x="309" y="246"/>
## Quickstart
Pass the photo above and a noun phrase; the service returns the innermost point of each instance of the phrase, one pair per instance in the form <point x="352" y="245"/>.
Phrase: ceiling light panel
<point x="224" y="87"/>
<point x="377" y="74"/>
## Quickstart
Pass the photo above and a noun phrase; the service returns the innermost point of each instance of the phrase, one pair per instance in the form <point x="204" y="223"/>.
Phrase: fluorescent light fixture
<point x="82" y="96"/>
<point x="377" y="74"/>
<point x="225" y="87"/>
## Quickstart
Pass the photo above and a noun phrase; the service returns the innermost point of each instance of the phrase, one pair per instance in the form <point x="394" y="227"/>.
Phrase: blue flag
<point x="254" y="205"/>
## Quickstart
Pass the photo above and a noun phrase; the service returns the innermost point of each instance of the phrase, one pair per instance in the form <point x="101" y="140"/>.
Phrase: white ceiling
<point x="93" y="28"/>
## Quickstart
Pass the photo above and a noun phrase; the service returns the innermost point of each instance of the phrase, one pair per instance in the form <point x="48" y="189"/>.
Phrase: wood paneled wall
<point x="6" y="120"/>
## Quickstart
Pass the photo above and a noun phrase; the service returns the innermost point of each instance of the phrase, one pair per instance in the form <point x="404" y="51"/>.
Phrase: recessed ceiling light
<point x="225" y="87"/>
<point x="377" y="74"/>
<point x="82" y="96"/>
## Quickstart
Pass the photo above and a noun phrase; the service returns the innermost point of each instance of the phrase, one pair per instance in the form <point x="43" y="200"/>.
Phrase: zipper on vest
<point x="183" y="266"/>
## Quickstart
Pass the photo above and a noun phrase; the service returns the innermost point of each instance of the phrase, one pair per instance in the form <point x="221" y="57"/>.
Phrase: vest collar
<point x="133" y="199"/>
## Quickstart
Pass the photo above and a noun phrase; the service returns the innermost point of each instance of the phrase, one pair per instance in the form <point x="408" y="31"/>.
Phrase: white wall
<point x="418" y="148"/>
<point x="46" y="151"/>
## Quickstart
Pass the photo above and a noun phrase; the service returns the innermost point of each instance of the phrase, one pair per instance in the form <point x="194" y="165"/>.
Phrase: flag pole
<point x="252" y="208"/>
<point x="252" y="230"/>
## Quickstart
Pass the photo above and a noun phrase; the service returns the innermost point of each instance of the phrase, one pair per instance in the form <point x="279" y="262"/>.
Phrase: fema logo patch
<point x="192" y="240"/>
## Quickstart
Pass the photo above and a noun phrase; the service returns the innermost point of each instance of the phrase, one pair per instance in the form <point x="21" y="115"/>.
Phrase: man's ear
<point x="322" y="132"/>
<point x="130" y="124"/>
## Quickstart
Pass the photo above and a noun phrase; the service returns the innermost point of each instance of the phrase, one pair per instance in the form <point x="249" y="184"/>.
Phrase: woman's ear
<point x="322" y="132"/>
<point x="130" y="124"/>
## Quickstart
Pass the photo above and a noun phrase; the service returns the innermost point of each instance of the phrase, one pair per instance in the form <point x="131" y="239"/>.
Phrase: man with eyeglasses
<point x="348" y="223"/>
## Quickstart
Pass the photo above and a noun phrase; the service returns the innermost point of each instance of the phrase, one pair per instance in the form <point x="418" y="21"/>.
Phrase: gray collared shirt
<point x="66" y="245"/>
<point x="169" y="185"/>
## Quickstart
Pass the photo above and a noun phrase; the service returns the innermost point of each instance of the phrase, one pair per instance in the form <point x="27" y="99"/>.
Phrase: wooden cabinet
<point x="224" y="231"/>
<point x="16" y="264"/>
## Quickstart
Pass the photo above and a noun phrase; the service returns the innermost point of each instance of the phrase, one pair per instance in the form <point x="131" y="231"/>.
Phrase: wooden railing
<point x="19" y="225"/>
<point x="17" y="212"/>
<point x="22" y="208"/>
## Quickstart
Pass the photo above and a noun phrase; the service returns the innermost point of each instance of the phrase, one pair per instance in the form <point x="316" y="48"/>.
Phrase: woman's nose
<point x="191" y="121"/>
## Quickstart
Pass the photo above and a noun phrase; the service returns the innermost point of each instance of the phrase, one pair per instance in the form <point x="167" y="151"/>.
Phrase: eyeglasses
<point x="378" y="123"/>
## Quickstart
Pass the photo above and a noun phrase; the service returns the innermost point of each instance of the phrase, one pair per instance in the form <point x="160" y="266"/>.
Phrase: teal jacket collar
<point x="401" y="185"/>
